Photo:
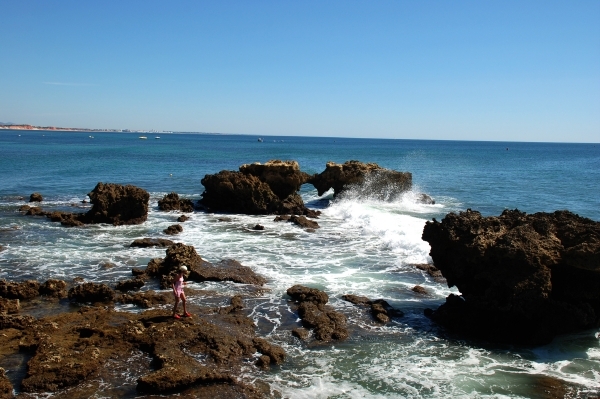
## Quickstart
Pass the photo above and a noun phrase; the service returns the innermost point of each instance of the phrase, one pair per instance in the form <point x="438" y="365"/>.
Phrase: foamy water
<point x="364" y="247"/>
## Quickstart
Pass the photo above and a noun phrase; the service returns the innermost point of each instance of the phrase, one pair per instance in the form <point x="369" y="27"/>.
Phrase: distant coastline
<point x="73" y="129"/>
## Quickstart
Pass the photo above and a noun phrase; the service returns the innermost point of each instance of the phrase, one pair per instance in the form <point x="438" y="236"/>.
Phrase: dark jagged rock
<point x="302" y="221"/>
<point x="173" y="229"/>
<point x="283" y="218"/>
<point x="130" y="285"/>
<point x="91" y="292"/>
<point x="36" y="197"/>
<point x="117" y="204"/>
<point x="301" y="333"/>
<point x="151" y="242"/>
<point x="172" y="202"/>
<point x="138" y="272"/>
<point x="523" y="278"/>
<point x="35" y="211"/>
<point x="419" y="290"/>
<point x="327" y="324"/>
<point x="199" y="269"/>
<point x="256" y="189"/>
<point x="182" y="218"/>
<point x="372" y="178"/>
<point x="9" y="306"/>
<point x="24" y="208"/>
<point x="380" y="309"/>
<point x="258" y="227"/>
<point x="54" y="288"/>
<point x="6" y="388"/>
<point x="24" y="290"/>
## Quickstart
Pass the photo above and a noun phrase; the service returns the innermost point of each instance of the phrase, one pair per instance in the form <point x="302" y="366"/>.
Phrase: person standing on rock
<point x="178" y="292"/>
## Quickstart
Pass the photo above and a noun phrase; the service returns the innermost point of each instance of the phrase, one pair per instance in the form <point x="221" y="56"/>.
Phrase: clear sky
<point x="457" y="70"/>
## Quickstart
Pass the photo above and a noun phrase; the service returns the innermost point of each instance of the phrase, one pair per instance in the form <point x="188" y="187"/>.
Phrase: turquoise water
<point x="365" y="246"/>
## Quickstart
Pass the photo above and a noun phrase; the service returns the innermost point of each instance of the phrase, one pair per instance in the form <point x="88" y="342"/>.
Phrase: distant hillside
<point x="6" y="123"/>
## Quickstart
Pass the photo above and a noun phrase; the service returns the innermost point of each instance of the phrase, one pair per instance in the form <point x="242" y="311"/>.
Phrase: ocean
<point x="367" y="245"/>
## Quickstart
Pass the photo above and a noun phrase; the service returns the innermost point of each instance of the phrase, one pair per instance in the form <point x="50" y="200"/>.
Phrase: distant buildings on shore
<point x="75" y="129"/>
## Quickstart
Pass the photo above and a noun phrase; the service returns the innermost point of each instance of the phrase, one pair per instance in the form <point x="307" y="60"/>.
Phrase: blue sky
<point x="455" y="70"/>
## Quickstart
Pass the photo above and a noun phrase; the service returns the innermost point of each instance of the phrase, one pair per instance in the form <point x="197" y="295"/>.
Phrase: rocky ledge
<point x="202" y="355"/>
<point x="368" y="177"/>
<point x="272" y="188"/>
<point x="112" y="203"/>
<point x="199" y="269"/>
<point x="522" y="278"/>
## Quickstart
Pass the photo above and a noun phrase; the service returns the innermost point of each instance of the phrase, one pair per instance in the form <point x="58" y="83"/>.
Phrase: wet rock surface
<point x="91" y="293"/>
<point x="9" y="306"/>
<point x="522" y="278"/>
<point x="117" y="204"/>
<point x="19" y="290"/>
<point x="172" y="202"/>
<point x="340" y="177"/>
<point x="36" y="197"/>
<point x="199" y="270"/>
<point x="6" y="388"/>
<point x="381" y="311"/>
<point x="326" y="323"/>
<point x="173" y="229"/>
<point x="130" y="285"/>
<point x="201" y="356"/>
<point x="151" y="242"/>
<point x="112" y="203"/>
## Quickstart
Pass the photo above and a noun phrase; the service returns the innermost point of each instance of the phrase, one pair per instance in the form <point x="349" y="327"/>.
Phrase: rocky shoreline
<point x="522" y="279"/>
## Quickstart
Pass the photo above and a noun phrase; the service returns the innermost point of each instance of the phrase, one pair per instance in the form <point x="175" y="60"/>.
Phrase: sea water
<point x="367" y="245"/>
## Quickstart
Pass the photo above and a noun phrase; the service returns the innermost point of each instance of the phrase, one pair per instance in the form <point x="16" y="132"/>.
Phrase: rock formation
<point x="151" y="242"/>
<point x="202" y="356"/>
<point x="327" y="324"/>
<point x="112" y="203"/>
<point x="36" y="197"/>
<point x="118" y="205"/>
<point x="172" y="202"/>
<point x="173" y="229"/>
<point x="522" y="278"/>
<point x="368" y="177"/>
<point x="380" y="309"/>
<point x="199" y="269"/>
<point x="256" y="189"/>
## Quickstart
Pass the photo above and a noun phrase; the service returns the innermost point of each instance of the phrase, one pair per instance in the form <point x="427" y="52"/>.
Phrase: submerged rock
<point x="173" y="229"/>
<point x="172" y="202"/>
<point x="380" y="309"/>
<point x="522" y="278"/>
<point x="151" y="242"/>
<point x="341" y="177"/>
<point x="327" y="324"/>
<point x="36" y="197"/>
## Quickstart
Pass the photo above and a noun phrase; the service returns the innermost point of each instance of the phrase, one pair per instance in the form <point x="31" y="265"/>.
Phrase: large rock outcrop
<point x="112" y="203"/>
<point x="201" y="356"/>
<point x="199" y="270"/>
<point x="256" y="189"/>
<point x="369" y="178"/>
<point x="326" y="323"/>
<point x="522" y="278"/>
<point x="172" y="202"/>
<point x="117" y="204"/>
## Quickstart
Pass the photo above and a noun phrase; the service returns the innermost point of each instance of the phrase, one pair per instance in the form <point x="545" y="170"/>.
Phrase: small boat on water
<point x="156" y="138"/>
<point x="143" y="138"/>
<point x="260" y="140"/>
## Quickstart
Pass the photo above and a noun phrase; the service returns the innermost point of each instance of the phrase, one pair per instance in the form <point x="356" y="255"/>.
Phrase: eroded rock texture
<point x="369" y="178"/>
<point x="326" y="323"/>
<point x="199" y="269"/>
<point x="112" y="203"/>
<point x="172" y="202"/>
<point x="522" y="278"/>
<point x="256" y="189"/>
<point x="71" y="348"/>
